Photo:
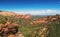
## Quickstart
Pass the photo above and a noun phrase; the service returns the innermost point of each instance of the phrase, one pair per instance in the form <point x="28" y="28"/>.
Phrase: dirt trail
<point x="19" y="35"/>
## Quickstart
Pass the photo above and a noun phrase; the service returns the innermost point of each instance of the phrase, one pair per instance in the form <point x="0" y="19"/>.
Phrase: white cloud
<point x="39" y="12"/>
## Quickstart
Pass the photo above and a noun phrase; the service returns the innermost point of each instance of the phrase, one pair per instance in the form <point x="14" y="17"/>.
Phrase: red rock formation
<point x="8" y="28"/>
<point x="46" y="19"/>
<point x="23" y="16"/>
<point x="53" y="18"/>
<point x="41" y="20"/>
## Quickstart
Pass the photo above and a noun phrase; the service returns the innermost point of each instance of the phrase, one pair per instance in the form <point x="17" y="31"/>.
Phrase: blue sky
<point x="34" y="7"/>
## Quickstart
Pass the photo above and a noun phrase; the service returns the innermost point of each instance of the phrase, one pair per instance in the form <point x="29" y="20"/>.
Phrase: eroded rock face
<point x="44" y="20"/>
<point x="9" y="29"/>
<point x="26" y="16"/>
<point x="40" y="21"/>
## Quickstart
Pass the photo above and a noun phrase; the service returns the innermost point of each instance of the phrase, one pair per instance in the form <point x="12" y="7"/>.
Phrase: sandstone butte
<point x="25" y="16"/>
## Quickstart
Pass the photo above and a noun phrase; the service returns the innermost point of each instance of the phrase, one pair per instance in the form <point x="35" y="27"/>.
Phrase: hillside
<point x="20" y="25"/>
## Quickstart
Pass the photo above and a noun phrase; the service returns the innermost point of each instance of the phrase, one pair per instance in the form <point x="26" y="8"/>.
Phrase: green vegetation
<point x="3" y="19"/>
<point x="54" y="28"/>
<point x="29" y="30"/>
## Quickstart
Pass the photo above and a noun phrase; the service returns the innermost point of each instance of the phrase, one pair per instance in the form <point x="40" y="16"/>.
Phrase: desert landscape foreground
<point x="26" y="25"/>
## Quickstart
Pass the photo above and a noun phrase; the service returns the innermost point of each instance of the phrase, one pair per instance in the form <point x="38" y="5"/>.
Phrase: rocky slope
<point x="19" y="25"/>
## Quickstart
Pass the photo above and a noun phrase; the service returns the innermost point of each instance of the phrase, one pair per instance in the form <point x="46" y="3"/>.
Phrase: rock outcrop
<point x="47" y="19"/>
<point x="8" y="28"/>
